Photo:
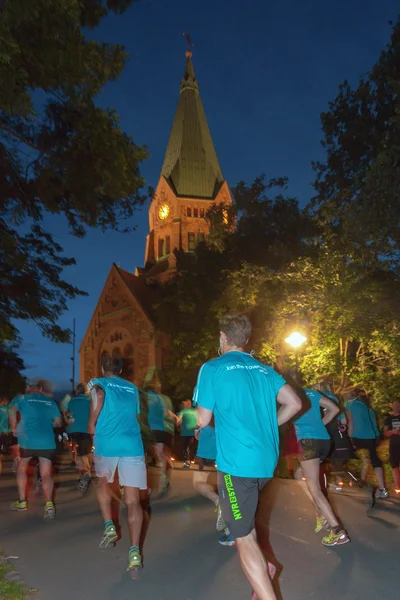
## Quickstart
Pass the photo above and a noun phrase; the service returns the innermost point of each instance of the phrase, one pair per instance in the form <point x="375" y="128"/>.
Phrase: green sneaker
<point x="19" y="505"/>
<point x="321" y="523"/>
<point x="336" y="539"/>
<point x="49" y="511"/>
<point x="134" y="560"/>
<point x="109" y="538"/>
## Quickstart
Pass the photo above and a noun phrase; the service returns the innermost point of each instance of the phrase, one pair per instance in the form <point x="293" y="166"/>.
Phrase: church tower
<point x="191" y="182"/>
<point x="124" y="320"/>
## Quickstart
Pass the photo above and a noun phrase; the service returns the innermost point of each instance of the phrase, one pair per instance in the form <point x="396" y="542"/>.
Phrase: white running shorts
<point x="131" y="470"/>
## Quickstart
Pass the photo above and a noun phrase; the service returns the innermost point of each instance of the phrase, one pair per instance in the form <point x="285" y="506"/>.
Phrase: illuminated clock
<point x="163" y="212"/>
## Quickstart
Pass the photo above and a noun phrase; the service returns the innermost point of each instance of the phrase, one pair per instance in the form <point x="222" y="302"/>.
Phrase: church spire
<point x="191" y="165"/>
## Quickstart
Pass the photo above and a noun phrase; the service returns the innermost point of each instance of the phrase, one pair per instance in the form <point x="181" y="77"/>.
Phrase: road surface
<point x="183" y="560"/>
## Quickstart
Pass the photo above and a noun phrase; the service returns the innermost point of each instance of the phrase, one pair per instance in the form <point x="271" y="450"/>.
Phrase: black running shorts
<point x="394" y="455"/>
<point x="369" y="444"/>
<point x="5" y="439"/>
<point x="162" y="437"/>
<point x="83" y="443"/>
<point x="238" y="498"/>
<point x="28" y="453"/>
<point x="312" y="449"/>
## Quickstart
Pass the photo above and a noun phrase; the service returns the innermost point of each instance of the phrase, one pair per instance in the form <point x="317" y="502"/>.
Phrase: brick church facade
<point x="190" y="183"/>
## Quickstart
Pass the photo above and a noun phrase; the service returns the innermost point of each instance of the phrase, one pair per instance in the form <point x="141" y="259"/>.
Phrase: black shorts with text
<point x="238" y="498"/>
<point x="312" y="449"/>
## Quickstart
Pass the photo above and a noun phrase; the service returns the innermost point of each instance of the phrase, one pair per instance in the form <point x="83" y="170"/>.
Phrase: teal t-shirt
<point x="242" y="394"/>
<point x="156" y="416"/>
<point x="336" y="400"/>
<point x="35" y="429"/>
<point x="364" y="420"/>
<point x="117" y="431"/>
<point x="79" y="407"/>
<point x="189" y="421"/>
<point x="310" y="425"/>
<point x="207" y="447"/>
<point x="4" y="426"/>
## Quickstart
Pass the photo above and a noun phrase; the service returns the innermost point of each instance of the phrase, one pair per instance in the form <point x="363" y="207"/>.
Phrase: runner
<point x="161" y="422"/>
<point x="118" y="446"/>
<point x="187" y="419"/>
<point x="39" y="416"/>
<point x="242" y="394"/>
<point x="77" y="419"/>
<point x="315" y="442"/>
<point x="4" y="430"/>
<point x="364" y="433"/>
<point x="392" y="431"/>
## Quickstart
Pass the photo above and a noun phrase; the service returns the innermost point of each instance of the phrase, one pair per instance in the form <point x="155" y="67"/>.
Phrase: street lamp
<point x="296" y="340"/>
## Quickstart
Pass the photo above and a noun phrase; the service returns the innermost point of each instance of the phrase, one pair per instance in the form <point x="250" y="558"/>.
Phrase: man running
<point x="392" y="431"/>
<point x="77" y="419"/>
<point x="242" y="394"/>
<point x="118" y="446"/>
<point x="161" y="422"/>
<point x="187" y="420"/>
<point x="35" y="431"/>
<point x="316" y="443"/>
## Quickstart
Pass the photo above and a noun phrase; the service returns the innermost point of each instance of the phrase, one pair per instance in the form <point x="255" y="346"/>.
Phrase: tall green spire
<point x="191" y="165"/>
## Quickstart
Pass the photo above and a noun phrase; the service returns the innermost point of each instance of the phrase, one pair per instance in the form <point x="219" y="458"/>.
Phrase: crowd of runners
<point x="231" y="426"/>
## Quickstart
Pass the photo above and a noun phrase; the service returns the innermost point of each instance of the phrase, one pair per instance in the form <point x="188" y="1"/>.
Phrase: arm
<point x="331" y="409"/>
<point x="57" y="422"/>
<point x="12" y="417"/>
<point x="290" y="404"/>
<point x="350" y="423"/>
<point x="97" y="395"/>
<point x="204" y="416"/>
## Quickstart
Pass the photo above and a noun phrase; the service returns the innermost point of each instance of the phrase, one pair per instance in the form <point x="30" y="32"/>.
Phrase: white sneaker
<point x="381" y="493"/>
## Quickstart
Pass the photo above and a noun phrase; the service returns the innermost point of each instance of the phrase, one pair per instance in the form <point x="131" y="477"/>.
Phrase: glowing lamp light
<point x="295" y="339"/>
<point x="172" y="458"/>
<point x="397" y="491"/>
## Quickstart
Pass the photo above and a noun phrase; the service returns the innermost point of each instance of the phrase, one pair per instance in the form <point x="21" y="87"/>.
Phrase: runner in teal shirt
<point x="79" y="408"/>
<point x="35" y="429"/>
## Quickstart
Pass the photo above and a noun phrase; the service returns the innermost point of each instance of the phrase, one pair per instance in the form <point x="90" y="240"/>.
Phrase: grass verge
<point x="10" y="590"/>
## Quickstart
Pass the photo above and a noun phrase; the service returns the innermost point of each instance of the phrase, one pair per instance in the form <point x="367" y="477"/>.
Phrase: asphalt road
<point x="183" y="560"/>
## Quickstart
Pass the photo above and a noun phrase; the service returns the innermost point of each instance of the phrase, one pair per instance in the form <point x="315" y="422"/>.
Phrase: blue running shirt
<point x="156" y="416"/>
<point x="364" y="420"/>
<point x="242" y="394"/>
<point x="79" y="407"/>
<point x="310" y="425"/>
<point x="35" y="429"/>
<point x="117" y="430"/>
<point x="207" y="447"/>
<point x="4" y="426"/>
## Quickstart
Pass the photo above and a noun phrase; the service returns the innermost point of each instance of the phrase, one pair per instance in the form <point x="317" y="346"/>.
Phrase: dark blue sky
<point x="266" y="71"/>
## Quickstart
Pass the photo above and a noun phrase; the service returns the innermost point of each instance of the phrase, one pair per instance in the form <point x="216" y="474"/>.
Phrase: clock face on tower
<point x="163" y="212"/>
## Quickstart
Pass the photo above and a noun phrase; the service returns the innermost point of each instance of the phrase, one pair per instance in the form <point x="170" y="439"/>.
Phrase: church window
<point x="196" y="213"/>
<point x="189" y="211"/>
<point x="167" y="244"/>
<point x="160" y="248"/>
<point x="200" y="238"/>
<point x="191" y="241"/>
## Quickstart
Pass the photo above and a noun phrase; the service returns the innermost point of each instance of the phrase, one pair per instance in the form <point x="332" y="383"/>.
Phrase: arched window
<point x="189" y="211"/>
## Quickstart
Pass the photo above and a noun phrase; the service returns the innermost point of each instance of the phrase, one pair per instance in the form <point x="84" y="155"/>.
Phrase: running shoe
<point x="227" y="540"/>
<point x="220" y="524"/>
<point x="134" y="559"/>
<point x="83" y="483"/>
<point x="186" y="464"/>
<point x="109" y="538"/>
<point x="49" y="511"/>
<point x="19" y="505"/>
<point x="336" y="539"/>
<point x="381" y="493"/>
<point x="321" y="523"/>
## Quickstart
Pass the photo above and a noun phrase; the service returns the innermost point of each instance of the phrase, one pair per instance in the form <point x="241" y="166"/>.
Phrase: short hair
<point x="113" y="364"/>
<point x="45" y="386"/>
<point x="237" y="329"/>
<point x="80" y="389"/>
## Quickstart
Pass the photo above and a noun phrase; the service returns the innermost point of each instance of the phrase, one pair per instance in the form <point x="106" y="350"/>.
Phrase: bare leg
<point x="396" y="477"/>
<point x="45" y="467"/>
<point x="255" y="566"/>
<point x="161" y="457"/>
<point x="22" y="477"/>
<point x="380" y="478"/>
<point x="135" y="514"/>
<point x="299" y="477"/>
<point x="364" y="467"/>
<point x="202" y="487"/>
<point x="1" y="463"/>
<point x="311" y="469"/>
<point x="83" y="464"/>
<point x="104" y="499"/>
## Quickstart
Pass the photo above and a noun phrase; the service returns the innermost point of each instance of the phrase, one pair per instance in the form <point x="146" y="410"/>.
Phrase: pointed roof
<point x="191" y="165"/>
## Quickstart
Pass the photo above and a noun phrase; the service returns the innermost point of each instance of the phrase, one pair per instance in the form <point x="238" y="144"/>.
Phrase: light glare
<point x="295" y="339"/>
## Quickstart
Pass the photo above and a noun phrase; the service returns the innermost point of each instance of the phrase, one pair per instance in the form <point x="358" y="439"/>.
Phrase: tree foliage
<point x="11" y="365"/>
<point x="60" y="152"/>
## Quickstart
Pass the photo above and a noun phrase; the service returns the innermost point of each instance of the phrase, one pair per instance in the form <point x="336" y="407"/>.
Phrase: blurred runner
<point x="242" y="394"/>
<point x="5" y="438"/>
<point x="187" y="419"/>
<point x="77" y="419"/>
<point x="161" y="422"/>
<point x="392" y="431"/>
<point x="118" y="447"/>
<point x="39" y="416"/>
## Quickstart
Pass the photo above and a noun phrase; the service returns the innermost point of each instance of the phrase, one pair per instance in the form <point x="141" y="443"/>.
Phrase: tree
<point x="11" y="365"/>
<point x="358" y="184"/>
<point x="60" y="153"/>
